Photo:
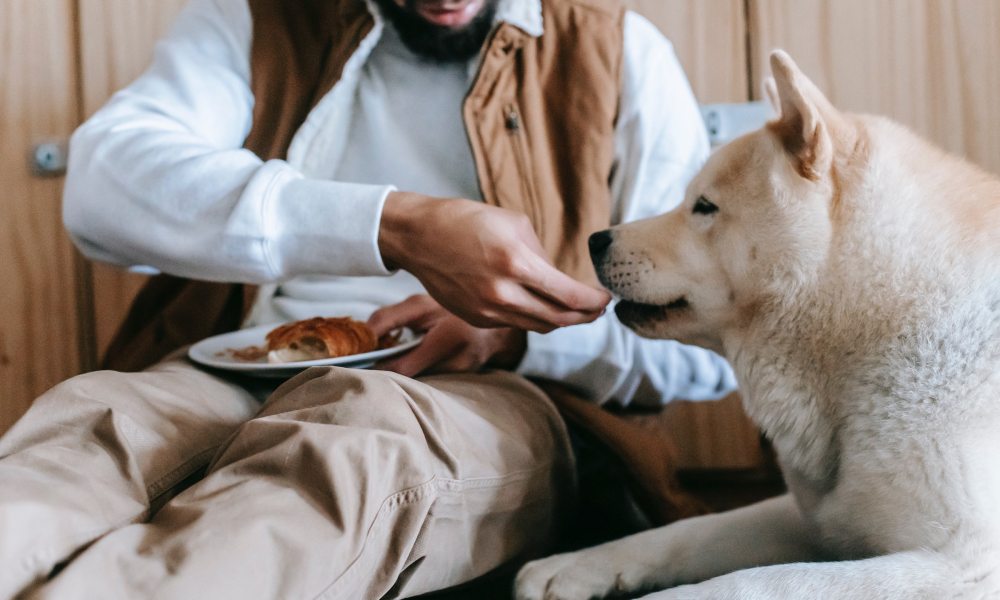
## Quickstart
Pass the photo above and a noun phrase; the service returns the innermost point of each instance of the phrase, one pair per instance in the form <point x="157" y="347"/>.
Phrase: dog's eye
<point x="703" y="207"/>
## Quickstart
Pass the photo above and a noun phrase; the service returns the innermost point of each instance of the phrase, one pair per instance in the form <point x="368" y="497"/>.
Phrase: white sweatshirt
<point x="158" y="178"/>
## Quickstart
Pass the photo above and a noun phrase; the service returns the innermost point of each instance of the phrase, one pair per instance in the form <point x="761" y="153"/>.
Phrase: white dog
<point x="850" y="272"/>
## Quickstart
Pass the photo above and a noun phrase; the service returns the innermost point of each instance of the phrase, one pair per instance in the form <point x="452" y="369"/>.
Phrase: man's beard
<point x="437" y="42"/>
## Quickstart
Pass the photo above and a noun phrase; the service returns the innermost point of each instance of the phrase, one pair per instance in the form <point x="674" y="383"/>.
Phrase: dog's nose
<point x="599" y="243"/>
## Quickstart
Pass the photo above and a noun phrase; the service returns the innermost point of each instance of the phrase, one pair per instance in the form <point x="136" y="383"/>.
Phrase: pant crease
<point x="391" y="503"/>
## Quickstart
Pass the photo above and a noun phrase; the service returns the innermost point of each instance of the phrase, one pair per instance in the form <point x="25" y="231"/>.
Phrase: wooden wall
<point x="930" y="64"/>
<point x="60" y="61"/>
<point x="116" y="42"/>
<point x="40" y="330"/>
<point x="709" y="37"/>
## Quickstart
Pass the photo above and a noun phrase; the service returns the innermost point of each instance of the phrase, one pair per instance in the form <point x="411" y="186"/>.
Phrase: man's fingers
<point x="404" y="364"/>
<point x="499" y="316"/>
<point x="526" y="309"/>
<point x="459" y="363"/>
<point x="409" y="312"/>
<point x="515" y="308"/>
<point x="543" y="277"/>
<point x="565" y="291"/>
<point x="432" y="350"/>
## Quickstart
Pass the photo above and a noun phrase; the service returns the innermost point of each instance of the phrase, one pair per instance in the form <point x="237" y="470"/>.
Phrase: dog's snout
<point x="599" y="243"/>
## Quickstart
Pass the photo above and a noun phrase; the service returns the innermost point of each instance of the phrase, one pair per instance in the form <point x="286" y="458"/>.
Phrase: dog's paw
<point x="574" y="576"/>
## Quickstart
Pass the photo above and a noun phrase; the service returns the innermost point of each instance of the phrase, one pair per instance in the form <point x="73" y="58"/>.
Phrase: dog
<point x="850" y="273"/>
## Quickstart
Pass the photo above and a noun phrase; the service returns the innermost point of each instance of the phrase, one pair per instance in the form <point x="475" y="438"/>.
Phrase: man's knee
<point x="153" y="423"/>
<point x="77" y="404"/>
<point x="336" y="421"/>
<point x="374" y="400"/>
<point x="119" y="392"/>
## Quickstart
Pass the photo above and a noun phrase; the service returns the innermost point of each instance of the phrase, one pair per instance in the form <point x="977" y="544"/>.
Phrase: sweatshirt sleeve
<point x="158" y="176"/>
<point x="660" y="143"/>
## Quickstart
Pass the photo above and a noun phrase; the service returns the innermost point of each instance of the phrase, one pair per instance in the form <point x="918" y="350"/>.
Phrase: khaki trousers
<point x="344" y="484"/>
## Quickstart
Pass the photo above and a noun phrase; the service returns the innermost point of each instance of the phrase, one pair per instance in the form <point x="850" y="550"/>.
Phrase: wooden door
<point x="709" y="37"/>
<point x="930" y="64"/>
<point x="39" y="332"/>
<point x="116" y="45"/>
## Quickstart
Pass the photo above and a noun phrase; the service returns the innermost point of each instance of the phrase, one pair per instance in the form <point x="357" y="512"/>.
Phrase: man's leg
<point x="93" y="453"/>
<point x="351" y="484"/>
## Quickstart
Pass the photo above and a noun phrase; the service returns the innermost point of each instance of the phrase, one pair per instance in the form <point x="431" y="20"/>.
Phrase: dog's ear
<point x="771" y="93"/>
<point x="804" y="126"/>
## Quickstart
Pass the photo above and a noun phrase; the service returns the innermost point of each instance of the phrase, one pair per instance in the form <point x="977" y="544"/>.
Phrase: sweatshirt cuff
<point x="322" y="227"/>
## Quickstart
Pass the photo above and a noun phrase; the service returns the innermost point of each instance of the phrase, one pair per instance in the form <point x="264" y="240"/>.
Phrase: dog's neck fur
<point x="859" y="339"/>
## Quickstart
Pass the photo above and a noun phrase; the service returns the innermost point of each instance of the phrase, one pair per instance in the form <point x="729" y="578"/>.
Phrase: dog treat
<point x="318" y="338"/>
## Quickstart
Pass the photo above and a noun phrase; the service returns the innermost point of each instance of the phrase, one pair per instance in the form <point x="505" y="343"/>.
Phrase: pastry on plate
<point x="318" y="338"/>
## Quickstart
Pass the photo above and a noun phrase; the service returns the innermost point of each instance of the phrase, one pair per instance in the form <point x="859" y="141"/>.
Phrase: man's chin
<point x="443" y="31"/>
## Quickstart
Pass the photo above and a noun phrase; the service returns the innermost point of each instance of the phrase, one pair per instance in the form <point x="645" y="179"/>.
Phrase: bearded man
<point x="436" y="164"/>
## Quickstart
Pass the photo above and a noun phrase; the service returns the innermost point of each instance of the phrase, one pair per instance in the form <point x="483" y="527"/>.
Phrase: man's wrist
<point x="399" y="214"/>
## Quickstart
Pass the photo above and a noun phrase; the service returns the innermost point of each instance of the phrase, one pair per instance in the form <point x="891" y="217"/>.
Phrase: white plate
<point x="216" y="352"/>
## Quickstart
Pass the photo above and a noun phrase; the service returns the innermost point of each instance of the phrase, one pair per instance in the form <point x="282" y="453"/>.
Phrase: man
<point x="417" y="158"/>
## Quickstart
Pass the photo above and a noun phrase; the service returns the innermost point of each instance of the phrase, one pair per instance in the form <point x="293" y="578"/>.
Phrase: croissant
<point x="319" y="337"/>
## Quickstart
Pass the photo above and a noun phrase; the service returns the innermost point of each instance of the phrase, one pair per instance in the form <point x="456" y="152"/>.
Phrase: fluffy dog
<point x="850" y="272"/>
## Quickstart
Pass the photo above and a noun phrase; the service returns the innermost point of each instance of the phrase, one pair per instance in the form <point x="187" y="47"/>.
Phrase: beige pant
<point x="346" y="484"/>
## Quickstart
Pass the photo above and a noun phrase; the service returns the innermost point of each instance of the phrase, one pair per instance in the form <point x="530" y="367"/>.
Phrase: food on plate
<point x="319" y="337"/>
<point x="248" y="354"/>
<point x="314" y="339"/>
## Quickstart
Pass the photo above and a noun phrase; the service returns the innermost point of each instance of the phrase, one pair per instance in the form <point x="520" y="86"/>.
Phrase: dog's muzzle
<point x="599" y="243"/>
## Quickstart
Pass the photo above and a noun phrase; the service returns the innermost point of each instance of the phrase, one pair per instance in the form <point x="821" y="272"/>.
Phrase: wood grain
<point x="116" y="45"/>
<point x="38" y="101"/>
<point x="930" y="64"/>
<point x="709" y="37"/>
<point x="708" y="435"/>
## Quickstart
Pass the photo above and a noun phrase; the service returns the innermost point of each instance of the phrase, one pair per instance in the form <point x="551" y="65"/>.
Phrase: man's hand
<point x="483" y="263"/>
<point x="450" y="345"/>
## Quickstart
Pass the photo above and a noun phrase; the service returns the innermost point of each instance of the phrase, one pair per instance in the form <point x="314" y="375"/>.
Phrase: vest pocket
<point x="514" y="125"/>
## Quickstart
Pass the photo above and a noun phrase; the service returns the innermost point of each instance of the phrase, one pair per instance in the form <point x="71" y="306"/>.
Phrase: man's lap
<point x="486" y="445"/>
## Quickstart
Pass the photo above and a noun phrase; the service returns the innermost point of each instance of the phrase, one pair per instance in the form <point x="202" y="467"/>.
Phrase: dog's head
<point x="755" y="224"/>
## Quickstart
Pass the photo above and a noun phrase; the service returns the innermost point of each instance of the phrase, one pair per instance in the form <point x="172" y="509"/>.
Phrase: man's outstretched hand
<point x="483" y="263"/>
<point x="450" y="345"/>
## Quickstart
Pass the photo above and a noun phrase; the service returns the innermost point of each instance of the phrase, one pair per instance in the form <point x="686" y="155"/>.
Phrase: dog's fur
<point x="851" y="275"/>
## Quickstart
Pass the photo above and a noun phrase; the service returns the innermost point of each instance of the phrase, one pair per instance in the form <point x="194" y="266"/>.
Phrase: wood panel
<point x="38" y="306"/>
<point x="713" y="435"/>
<point x="709" y="37"/>
<point x="930" y="64"/>
<point x="116" y="45"/>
